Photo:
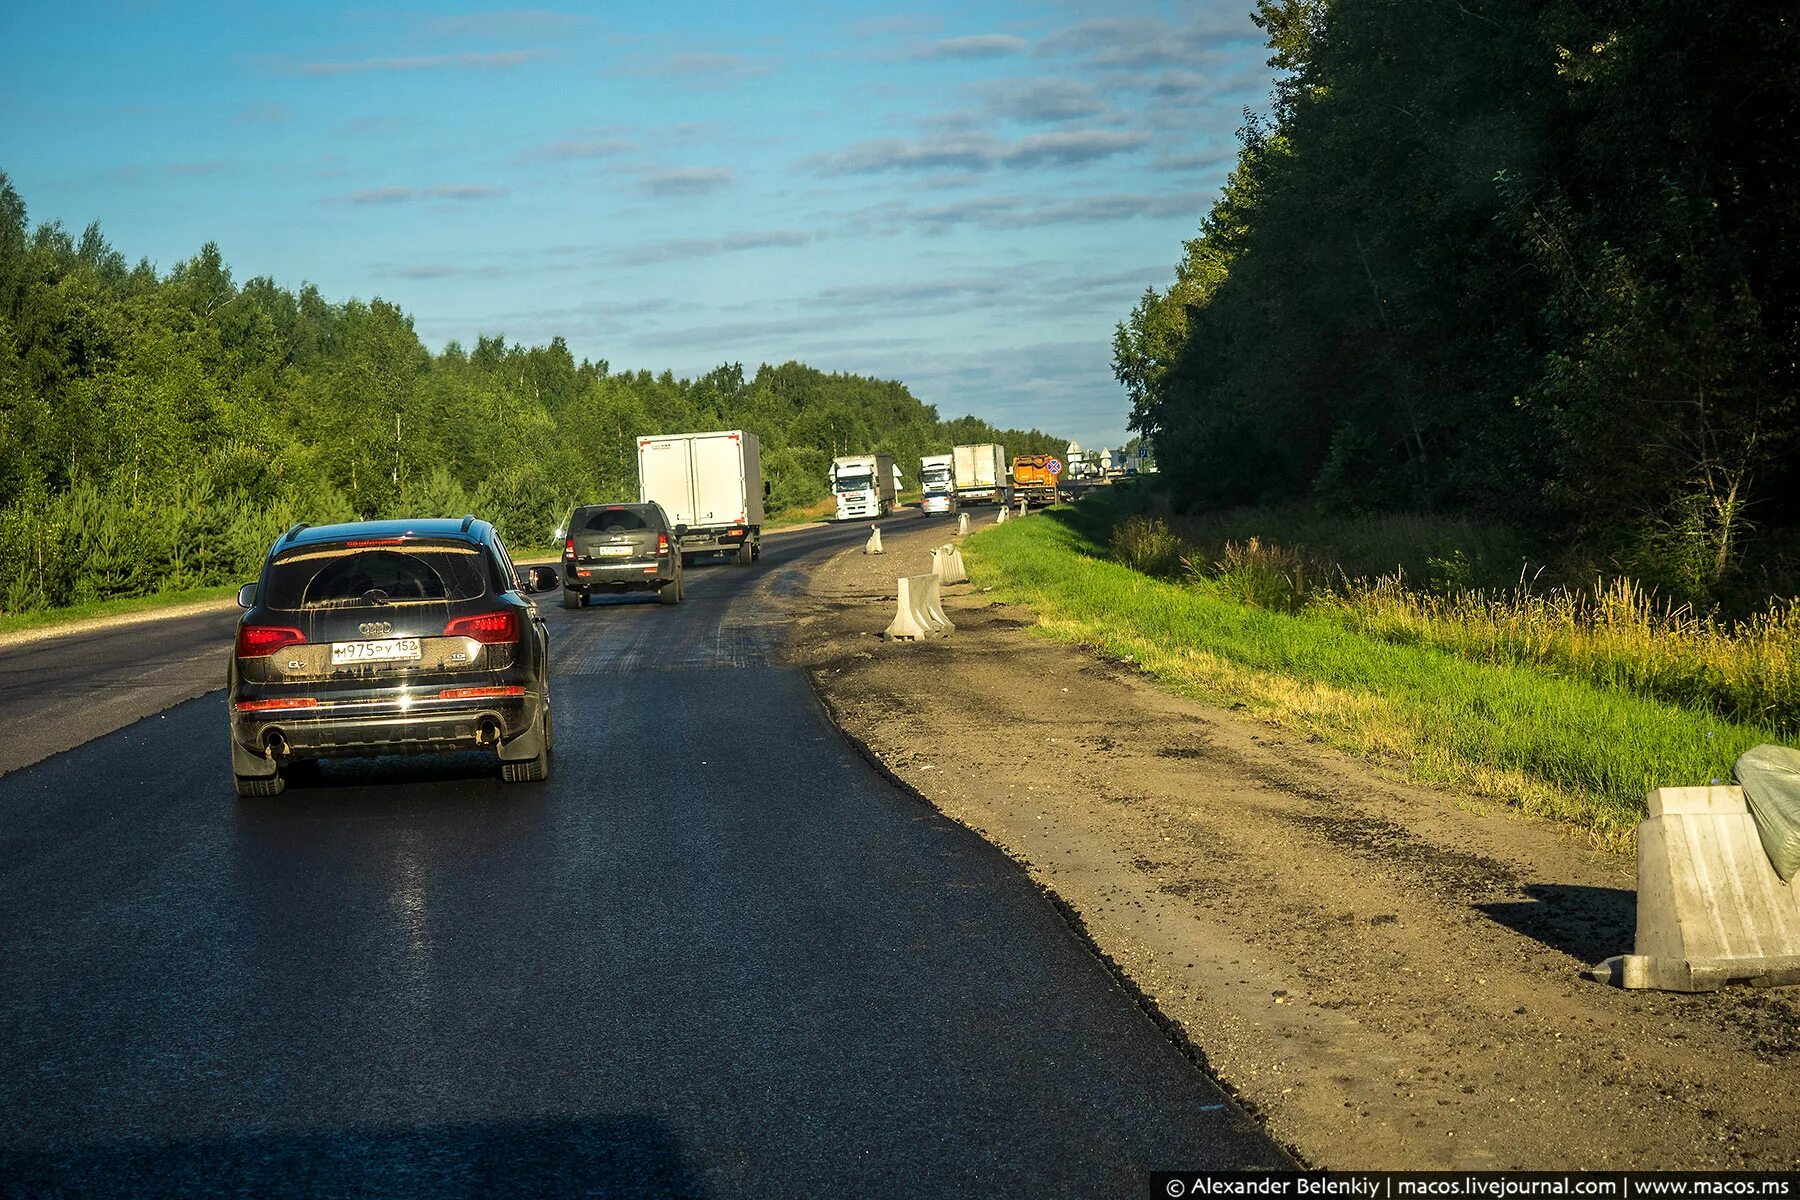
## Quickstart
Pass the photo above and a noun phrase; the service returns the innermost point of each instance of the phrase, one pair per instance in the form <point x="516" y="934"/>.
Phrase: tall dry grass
<point x="1615" y="634"/>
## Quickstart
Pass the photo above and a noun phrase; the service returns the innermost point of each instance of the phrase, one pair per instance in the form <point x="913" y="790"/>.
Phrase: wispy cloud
<point x="1140" y="42"/>
<point x="686" y="181"/>
<point x="710" y="66"/>
<point x="1200" y="160"/>
<point x="261" y="114"/>
<point x="488" y="60"/>
<point x="1016" y="212"/>
<point x="1041" y="100"/>
<point x="407" y="195"/>
<point x="909" y="297"/>
<point x="731" y="243"/>
<point x="507" y="22"/>
<point x="725" y="334"/>
<point x="981" y="45"/>
<point x="973" y="152"/>
<point x="575" y="149"/>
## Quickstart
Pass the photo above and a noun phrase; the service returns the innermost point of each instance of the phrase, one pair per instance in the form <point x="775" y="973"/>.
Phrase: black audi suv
<point x="385" y="637"/>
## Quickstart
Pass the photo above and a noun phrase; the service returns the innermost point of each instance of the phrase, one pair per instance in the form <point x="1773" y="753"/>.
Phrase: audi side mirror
<point x="246" y="596"/>
<point x="538" y="579"/>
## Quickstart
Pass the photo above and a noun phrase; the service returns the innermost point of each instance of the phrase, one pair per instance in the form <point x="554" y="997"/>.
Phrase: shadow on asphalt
<point x="1586" y="923"/>
<point x="632" y="1155"/>
<point x="329" y="775"/>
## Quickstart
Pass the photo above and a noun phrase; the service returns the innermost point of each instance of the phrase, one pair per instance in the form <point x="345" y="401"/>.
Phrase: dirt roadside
<point x="1386" y="975"/>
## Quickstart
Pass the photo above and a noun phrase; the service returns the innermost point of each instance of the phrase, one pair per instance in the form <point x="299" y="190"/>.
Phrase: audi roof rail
<point x="289" y="536"/>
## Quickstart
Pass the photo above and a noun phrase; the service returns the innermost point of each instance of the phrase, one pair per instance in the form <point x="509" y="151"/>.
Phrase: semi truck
<point x="937" y="481"/>
<point x="866" y="485"/>
<point x="980" y="473"/>
<point x="713" y="484"/>
<point x="1033" y="479"/>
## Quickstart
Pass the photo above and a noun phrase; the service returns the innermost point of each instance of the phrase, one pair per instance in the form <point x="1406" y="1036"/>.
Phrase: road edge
<point x="1071" y="917"/>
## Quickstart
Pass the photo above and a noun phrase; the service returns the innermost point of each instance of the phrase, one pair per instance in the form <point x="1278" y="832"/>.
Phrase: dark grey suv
<point x="384" y="637"/>
<point x="612" y="548"/>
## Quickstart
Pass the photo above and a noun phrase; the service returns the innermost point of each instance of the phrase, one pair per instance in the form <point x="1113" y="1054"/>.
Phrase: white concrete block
<point x="1710" y="908"/>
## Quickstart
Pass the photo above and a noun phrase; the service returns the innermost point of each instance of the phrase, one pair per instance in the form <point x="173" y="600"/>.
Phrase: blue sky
<point x="964" y="196"/>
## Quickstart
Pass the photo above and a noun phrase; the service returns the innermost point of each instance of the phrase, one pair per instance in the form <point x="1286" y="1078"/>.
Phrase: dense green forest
<point x="1535" y="263"/>
<point x="159" y="430"/>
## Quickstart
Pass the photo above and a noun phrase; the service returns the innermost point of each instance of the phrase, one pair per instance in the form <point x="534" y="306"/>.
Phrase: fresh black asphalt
<point x="715" y="954"/>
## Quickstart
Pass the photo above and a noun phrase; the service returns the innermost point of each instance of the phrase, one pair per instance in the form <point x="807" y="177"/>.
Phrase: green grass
<point x="120" y="606"/>
<point x="1564" y="748"/>
<point x="805" y="514"/>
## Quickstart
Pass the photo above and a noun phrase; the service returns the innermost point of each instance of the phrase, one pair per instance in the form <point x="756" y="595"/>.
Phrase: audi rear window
<point x="612" y="520"/>
<point x="347" y="575"/>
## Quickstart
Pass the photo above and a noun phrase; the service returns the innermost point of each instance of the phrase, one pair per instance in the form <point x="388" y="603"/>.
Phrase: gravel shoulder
<point x="1386" y="975"/>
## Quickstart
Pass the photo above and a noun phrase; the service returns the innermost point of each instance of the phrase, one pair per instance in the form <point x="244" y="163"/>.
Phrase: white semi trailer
<point x="980" y="472"/>
<point x="713" y="484"/>
<point x="937" y="482"/>
<point x="866" y="485"/>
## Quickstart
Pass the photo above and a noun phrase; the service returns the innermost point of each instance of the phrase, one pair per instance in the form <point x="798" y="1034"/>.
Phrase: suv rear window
<point x="613" y="520"/>
<point x="342" y="575"/>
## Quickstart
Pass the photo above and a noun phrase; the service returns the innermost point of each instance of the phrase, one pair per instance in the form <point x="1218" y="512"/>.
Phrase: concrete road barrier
<point x="874" y="546"/>
<point x="921" y="610"/>
<point x="962" y="524"/>
<point x="1000" y="517"/>
<point x="947" y="564"/>
<point x="1024" y="508"/>
<point x="1710" y="908"/>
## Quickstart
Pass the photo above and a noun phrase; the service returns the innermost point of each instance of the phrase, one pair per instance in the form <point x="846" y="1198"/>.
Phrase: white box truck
<point x="937" y="480"/>
<point x="710" y="482"/>
<point x="981" y="473"/>
<point x="866" y="485"/>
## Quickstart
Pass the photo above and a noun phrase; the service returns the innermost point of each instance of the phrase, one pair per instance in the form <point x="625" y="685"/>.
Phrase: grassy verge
<point x="1565" y="748"/>
<point x="118" y="607"/>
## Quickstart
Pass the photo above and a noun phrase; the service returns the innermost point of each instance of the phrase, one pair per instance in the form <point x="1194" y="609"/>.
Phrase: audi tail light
<point x="487" y="628"/>
<point x="260" y="641"/>
<point x="289" y="704"/>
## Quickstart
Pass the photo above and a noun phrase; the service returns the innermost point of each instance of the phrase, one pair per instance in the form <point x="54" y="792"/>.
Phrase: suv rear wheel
<point x="572" y="599"/>
<point x="259" y="785"/>
<point x="670" y="593"/>
<point x="531" y="770"/>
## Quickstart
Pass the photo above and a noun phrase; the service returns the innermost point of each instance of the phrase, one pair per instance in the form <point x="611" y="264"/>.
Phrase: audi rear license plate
<point x="379" y="650"/>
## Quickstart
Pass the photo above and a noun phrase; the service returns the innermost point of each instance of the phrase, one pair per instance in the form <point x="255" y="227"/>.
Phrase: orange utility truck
<point x="1034" y="478"/>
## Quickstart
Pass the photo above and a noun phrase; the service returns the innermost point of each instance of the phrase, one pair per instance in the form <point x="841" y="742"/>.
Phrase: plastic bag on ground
<point x="1770" y="777"/>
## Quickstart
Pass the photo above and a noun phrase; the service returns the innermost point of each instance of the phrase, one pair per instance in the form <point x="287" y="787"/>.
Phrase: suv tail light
<point x="260" y="641"/>
<point x="487" y="628"/>
<point x="568" y="547"/>
<point x="662" y="544"/>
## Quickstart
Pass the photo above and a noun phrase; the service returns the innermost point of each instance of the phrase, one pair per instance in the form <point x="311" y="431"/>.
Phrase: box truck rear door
<point x="718" y="480"/>
<point x="665" y="471"/>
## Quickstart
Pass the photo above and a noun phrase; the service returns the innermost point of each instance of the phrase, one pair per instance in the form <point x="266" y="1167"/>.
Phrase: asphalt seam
<point x="1077" y="925"/>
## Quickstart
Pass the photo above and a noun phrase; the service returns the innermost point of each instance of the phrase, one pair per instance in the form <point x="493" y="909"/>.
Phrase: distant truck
<point x="1033" y="479"/>
<point x="980" y="473"/>
<point x="866" y="485"/>
<point x="713" y="484"/>
<point x="937" y="480"/>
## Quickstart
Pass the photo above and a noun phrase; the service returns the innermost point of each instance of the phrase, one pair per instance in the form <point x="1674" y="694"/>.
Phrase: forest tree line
<point x="1537" y="263"/>
<point x="158" y="430"/>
